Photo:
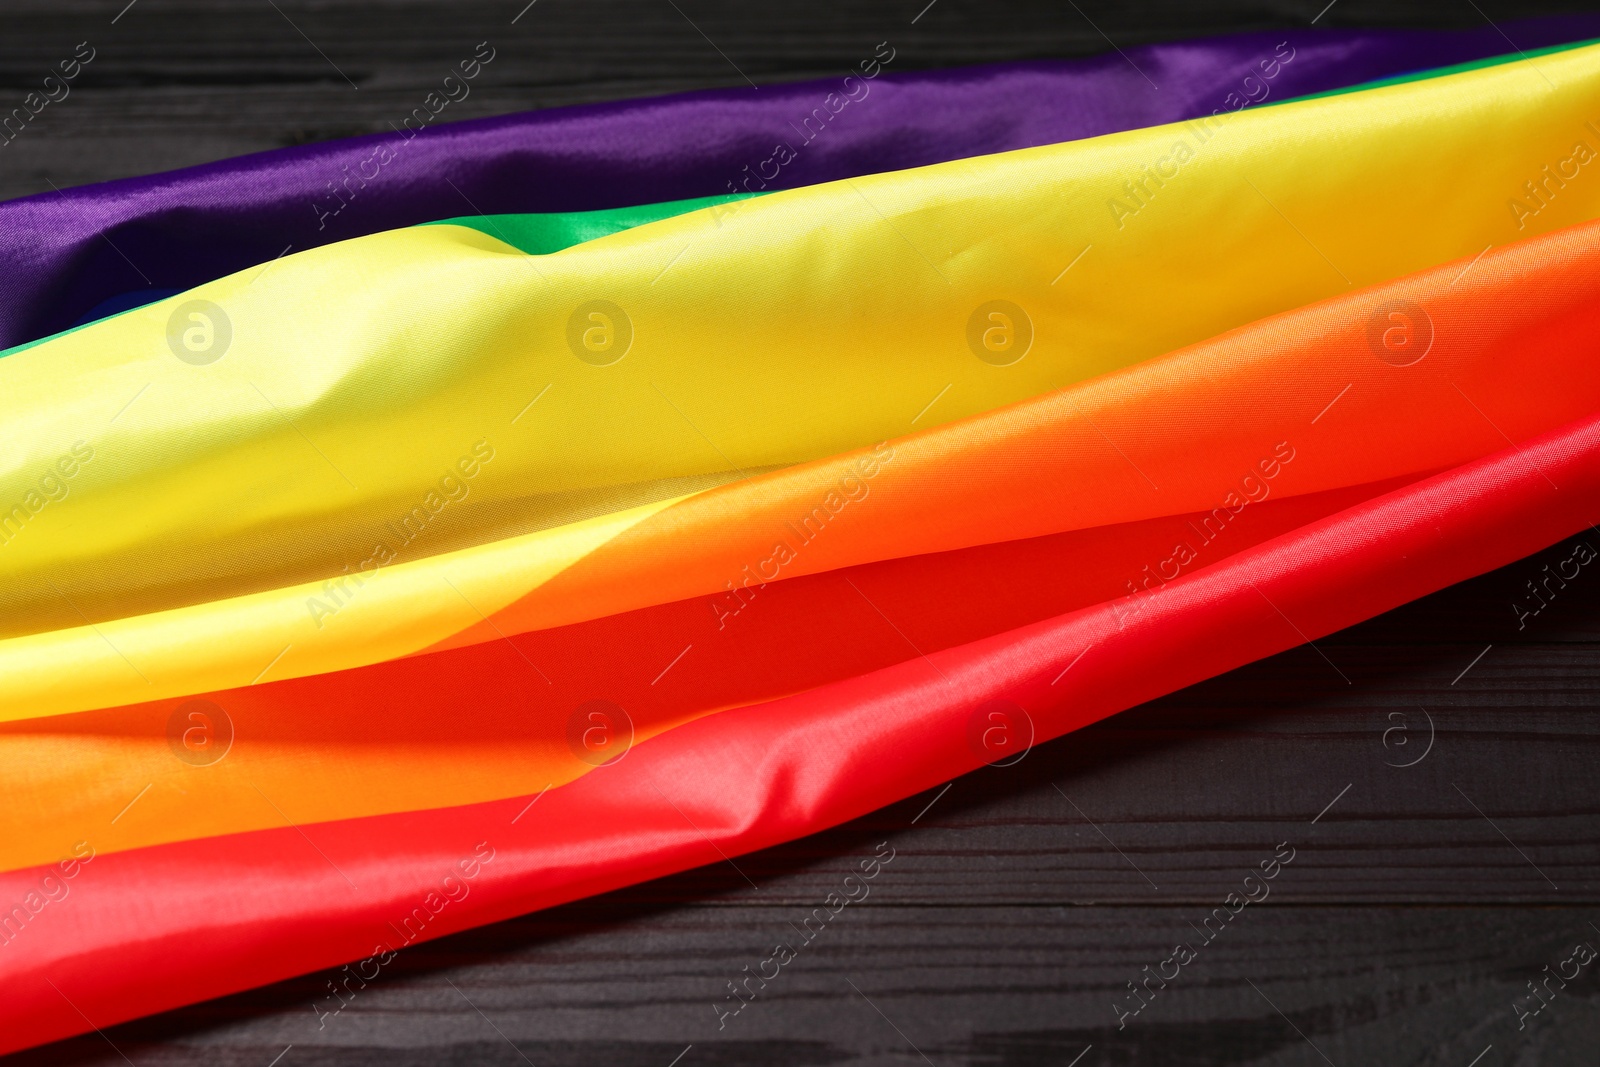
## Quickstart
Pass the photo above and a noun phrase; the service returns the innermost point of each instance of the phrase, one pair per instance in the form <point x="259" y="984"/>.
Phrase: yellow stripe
<point x="787" y="328"/>
<point x="283" y="633"/>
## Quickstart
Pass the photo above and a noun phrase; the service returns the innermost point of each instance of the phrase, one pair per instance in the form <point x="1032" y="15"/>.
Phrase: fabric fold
<point x="359" y="891"/>
<point x="416" y="580"/>
<point x="323" y="430"/>
<point x="777" y="585"/>
<point x="184" y="228"/>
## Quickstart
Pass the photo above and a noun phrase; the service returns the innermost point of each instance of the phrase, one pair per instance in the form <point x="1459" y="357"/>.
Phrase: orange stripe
<point x="482" y="722"/>
<point x="1509" y="358"/>
<point x="1510" y="355"/>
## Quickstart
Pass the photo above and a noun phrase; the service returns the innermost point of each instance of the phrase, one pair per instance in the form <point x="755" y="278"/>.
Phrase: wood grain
<point x="1022" y="901"/>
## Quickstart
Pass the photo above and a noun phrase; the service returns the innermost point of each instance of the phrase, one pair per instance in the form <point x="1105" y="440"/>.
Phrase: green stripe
<point x="535" y="234"/>
<point x="74" y="329"/>
<point x="540" y="235"/>
<point x="1439" y="72"/>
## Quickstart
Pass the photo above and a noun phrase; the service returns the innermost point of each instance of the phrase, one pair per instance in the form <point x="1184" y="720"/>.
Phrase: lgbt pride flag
<point x="586" y="505"/>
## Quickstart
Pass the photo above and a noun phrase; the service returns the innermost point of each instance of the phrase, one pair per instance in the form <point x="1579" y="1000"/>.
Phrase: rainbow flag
<point x="502" y="542"/>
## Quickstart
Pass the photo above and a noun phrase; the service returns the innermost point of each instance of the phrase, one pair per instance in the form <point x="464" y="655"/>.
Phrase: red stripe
<point x="481" y="722"/>
<point x="154" y="928"/>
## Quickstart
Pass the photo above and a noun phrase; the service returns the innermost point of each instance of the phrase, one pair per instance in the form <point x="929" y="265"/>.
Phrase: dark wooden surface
<point x="1021" y="903"/>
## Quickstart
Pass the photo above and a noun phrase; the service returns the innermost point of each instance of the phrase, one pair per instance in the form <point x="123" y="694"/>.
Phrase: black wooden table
<point x="1440" y="807"/>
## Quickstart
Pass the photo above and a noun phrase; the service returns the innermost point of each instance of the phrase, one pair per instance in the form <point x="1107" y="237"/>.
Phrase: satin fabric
<point x="327" y="420"/>
<point x="1407" y="413"/>
<point x="280" y="902"/>
<point x="1075" y="498"/>
<point x="536" y="234"/>
<point x="71" y="255"/>
<point x="387" y="737"/>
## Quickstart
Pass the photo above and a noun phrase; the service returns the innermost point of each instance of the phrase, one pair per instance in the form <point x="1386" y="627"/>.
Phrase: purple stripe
<point x="189" y="226"/>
